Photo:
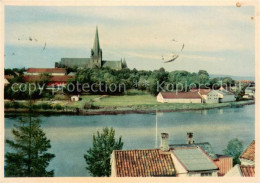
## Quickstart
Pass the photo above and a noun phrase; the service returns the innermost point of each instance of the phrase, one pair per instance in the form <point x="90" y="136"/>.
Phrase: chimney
<point x="190" y="138"/>
<point x="164" y="142"/>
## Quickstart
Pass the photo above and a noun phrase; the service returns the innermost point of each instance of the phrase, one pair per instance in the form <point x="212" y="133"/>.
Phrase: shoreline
<point x="125" y="111"/>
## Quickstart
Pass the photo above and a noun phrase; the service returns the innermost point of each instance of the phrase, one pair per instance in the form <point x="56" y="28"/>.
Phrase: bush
<point x="8" y="105"/>
<point x="45" y="106"/>
<point x="58" y="107"/>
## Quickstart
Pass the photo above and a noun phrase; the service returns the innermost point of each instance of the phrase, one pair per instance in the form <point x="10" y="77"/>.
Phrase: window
<point x="208" y="174"/>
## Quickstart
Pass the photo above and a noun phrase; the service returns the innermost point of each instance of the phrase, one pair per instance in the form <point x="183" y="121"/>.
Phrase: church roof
<point x="112" y="64"/>
<point x="70" y="62"/>
<point x="96" y="46"/>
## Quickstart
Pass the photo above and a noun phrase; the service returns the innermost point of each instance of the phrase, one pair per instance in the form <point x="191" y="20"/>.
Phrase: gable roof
<point x="33" y="78"/>
<point x="180" y="95"/>
<point x="46" y="70"/>
<point x="206" y="146"/>
<point x="201" y="91"/>
<point x="112" y="64"/>
<point x="247" y="170"/>
<point x="194" y="159"/>
<point x="71" y="62"/>
<point x="249" y="153"/>
<point x="143" y="163"/>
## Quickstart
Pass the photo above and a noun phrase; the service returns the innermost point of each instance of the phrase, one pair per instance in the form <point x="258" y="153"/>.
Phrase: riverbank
<point x="131" y="109"/>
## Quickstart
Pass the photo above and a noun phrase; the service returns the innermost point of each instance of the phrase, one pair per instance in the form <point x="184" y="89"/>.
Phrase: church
<point x="95" y="60"/>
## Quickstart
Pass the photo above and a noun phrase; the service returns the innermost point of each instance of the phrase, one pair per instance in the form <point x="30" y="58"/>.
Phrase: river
<point x="71" y="135"/>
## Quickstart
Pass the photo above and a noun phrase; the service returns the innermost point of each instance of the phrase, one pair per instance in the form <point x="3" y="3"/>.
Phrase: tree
<point x="29" y="157"/>
<point x="234" y="149"/>
<point x="98" y="157"/>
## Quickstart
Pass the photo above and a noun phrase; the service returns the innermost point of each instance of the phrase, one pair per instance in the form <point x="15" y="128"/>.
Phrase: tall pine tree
<point x="29" y="156"/>
<point x="98" y="157"/>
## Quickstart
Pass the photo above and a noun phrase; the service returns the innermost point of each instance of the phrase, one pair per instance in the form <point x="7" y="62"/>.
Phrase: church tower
<point x="96" y="53"/>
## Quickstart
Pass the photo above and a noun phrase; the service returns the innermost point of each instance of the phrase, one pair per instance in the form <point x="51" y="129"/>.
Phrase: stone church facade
<point x="95" y="60"/>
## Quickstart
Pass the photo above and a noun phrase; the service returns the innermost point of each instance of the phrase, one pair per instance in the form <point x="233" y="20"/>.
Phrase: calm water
<point x="71" y="136"/>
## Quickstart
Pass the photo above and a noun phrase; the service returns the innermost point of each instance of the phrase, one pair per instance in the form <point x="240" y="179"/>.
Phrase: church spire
<point x="96" y="46"/>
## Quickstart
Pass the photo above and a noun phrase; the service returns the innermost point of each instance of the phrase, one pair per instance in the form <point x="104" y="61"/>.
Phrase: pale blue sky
<point x="217" y="39"/>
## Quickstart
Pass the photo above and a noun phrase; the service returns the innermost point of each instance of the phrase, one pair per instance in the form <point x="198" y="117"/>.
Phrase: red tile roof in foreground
<point x="249" y="153"/>
<point x="180" y="95"/>
<point x="32" y="78"/>
<point x="143" y="163"/>
<point x="247" y="170"/>
<point x="46" y="70"/>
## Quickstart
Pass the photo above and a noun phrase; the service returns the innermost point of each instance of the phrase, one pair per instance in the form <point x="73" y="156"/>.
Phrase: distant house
<point x="247" y="167"/>
<point x="225" y="96"/>
<point x="179" y="97"/>
<point x="55" y="81"/>
<point x="72" y="74"/>
<point x="249" y="93"/>
<point x="75" y="98"/>
<point x="166" y="161"/>
<point x="50" y="71"/>
<point x="207" y="95"/>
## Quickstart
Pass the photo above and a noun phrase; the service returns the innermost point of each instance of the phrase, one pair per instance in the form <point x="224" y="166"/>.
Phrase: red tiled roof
<point x="224" y="163"/>
<point x="180" y="95"/>
<point x="249" y="153"/>
<point x="32" y="78"/>
<point x="46" y="70"/>
<point x="201" y="91"/>
<point x="143" y="163"/>
<point x="247" y="170"/>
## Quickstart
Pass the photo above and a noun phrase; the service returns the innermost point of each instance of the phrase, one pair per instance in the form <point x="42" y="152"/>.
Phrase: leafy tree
<point x="234" y="149"/>
<point x="98" y="157"/>
<point x="29" y="156"/>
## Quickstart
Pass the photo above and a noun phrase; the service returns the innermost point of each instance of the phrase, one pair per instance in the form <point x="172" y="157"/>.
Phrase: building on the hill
<point x="225" y="96"/>
<point x="95" y="61"/>
<point x="54" y="81"/>
<point x="50" y="71"/>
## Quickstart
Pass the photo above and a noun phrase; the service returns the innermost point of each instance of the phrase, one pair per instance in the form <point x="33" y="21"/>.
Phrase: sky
<point x="217" y="39"/>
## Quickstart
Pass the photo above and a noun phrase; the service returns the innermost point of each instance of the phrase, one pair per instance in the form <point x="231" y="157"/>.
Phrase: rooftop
<point x="143" y="163"/>
<point x="249" y="153"/>
<point x="206" y="146"/>
<point x="247" y="171"/>
<point x="194" y="159"/>
<point x="46" y="70"/>
<point x="32" y="78"/>
<point x="180" y="95"/>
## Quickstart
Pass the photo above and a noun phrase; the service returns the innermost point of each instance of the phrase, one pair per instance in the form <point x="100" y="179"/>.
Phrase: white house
<point x="50" y="71"/>
<point x="212" y="97"/>
<point x="249" y="92"/>
<point x="225" y="96"/>
<point x="179" y="97"/>
<point x="75" y="98"/>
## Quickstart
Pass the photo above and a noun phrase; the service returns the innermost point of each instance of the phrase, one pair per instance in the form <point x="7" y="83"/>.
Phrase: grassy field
<point x="125" y="100"/>
<point x="141" y="101"/>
